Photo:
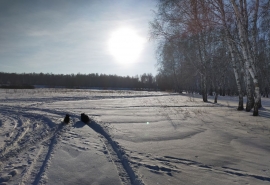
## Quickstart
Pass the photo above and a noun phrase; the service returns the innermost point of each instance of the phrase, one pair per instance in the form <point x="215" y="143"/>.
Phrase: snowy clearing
<point x="135" y="137"/>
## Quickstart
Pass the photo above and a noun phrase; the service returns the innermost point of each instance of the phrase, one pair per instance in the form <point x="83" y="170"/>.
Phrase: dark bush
<point x="66" y="119"/>
<point x="84" y="118"/>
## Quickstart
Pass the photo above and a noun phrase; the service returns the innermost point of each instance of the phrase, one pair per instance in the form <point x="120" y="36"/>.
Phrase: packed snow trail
<point x="82" y="157"/>
<point x="120" y="153"/>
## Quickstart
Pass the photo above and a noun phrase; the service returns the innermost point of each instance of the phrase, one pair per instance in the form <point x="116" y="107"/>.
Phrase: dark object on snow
<point x="66" y="119"/>
<point x="84" y="118"/>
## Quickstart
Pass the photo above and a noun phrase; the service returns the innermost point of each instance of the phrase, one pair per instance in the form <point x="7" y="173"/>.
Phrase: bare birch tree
<point x="205" y="29"/>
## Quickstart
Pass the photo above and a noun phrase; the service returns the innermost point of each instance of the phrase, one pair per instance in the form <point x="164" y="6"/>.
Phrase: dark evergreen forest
<point x="94" y="80"/>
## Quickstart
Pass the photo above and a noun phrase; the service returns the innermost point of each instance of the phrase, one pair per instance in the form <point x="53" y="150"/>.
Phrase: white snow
<point x="135" y="137"/>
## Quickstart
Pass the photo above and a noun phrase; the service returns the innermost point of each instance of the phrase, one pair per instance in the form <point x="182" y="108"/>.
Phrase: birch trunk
<point x="201" y="56"/>
<point x="204" y="88"/>
<point x="228" y="38"/>
<point x="250" y="97"/>
<point x="242" y="27"/>
<point x="237" y="78"/>
<point x="216" y="94"/>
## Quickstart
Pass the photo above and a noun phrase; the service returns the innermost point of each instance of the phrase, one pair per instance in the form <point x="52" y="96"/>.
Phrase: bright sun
<point x="126" y="45"/>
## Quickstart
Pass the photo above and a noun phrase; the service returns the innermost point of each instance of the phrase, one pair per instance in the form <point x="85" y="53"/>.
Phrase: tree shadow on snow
<point x="264" y="113"/>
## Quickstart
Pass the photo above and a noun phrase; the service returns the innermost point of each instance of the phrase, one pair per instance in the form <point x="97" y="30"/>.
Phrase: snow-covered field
<point x="133" y="138"/>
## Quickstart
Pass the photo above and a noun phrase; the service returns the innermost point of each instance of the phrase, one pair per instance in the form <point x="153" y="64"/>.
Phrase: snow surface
<point x="134" y="137"/>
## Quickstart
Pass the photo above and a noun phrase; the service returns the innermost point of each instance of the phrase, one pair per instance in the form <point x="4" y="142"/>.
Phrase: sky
<point x="64" y="36"/>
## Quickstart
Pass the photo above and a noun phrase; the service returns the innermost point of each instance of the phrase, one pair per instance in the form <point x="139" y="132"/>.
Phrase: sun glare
<point x="126" y="45"/>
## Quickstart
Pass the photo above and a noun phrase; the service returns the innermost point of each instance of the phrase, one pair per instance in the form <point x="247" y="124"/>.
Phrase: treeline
<point x="214" y="46"/>
<point x="28" y="80"/>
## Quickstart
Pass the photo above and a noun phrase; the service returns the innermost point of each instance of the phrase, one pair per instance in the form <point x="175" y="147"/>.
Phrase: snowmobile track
<point x="114" y="147"/>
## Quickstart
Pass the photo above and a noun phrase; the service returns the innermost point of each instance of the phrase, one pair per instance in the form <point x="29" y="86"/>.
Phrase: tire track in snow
<point x="12" y="144"/>
<point x="30" y="130"/>
<point x="114" y="147"/>
<point x="174" y="164"/>
<point x="44" y="164"/>
<point x="165" y="113"/>
<point x="223" y="169"/>
<point x="45" y="157"/>
<point x="13" y="148"/>
<point x="29" y="170"/>
<point x="115" y="160"/>
<point x="17" y="143"/>
<point x="35" y="171"/>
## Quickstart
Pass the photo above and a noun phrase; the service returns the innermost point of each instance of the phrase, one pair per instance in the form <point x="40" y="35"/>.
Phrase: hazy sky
<point x="64" y="36"/>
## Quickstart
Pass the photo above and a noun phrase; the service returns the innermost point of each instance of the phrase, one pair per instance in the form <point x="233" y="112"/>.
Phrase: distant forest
<point x="94" y="80"/>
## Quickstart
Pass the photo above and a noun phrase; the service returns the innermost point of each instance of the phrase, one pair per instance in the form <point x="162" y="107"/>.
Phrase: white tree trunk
<point x="231" y="47"/>
<point x="242" y="27"/>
